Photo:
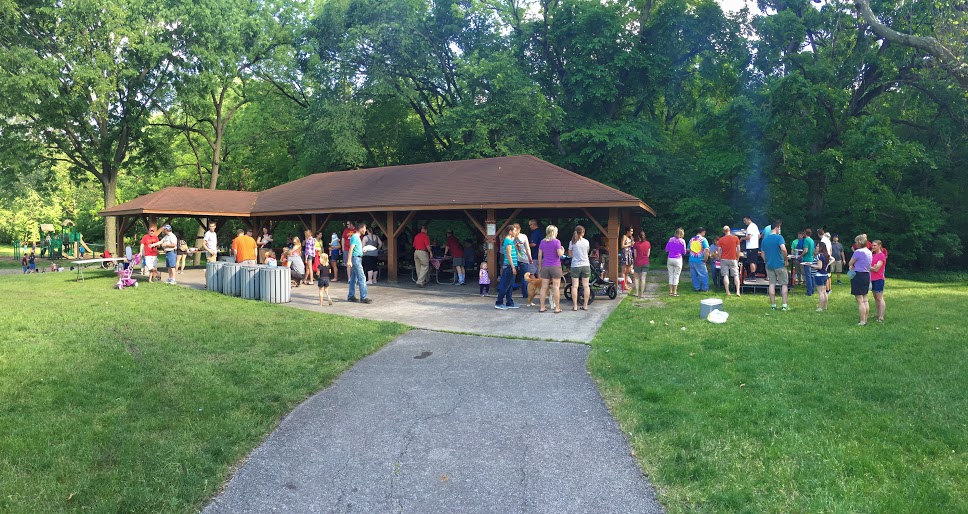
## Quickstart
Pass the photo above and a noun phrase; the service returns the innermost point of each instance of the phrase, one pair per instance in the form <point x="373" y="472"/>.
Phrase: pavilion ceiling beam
<point x="595" y="221"/>
<point x="474" y="221"/>
<point x="376" y="221"/>
<point x="403" y="224"/>
<point x="508" y="221"/>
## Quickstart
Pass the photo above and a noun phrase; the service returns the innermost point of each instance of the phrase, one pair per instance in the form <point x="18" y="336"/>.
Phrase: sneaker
<point x="352" y="299"/>
<point x="785" y="308"/>
<point x="773" y="307"/>
<point x="839" y="282"/>
<point x="460" y="283"/>
<point x="366" y="300"/>
<point x="819" y="309"/>
<point x="513" y="306"/>
<point x="500" y="306"/>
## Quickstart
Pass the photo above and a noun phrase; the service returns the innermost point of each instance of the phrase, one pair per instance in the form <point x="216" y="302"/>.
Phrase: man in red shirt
<point x="729" y="259"/>
<point x="149" y="250"/>
<point x="421" y="256"/>
<point x="456" y="250"/>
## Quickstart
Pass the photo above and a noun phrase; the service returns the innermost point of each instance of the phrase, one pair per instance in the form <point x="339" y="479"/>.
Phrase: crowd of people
<point x="539" y="259"/>
<point x="810" y="262"/>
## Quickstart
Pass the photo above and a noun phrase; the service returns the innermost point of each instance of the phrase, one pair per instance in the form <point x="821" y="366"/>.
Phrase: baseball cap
<point x="167" y="227"/>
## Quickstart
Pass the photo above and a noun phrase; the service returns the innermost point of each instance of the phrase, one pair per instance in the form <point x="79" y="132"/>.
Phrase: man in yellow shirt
<point x="244" y="248"/>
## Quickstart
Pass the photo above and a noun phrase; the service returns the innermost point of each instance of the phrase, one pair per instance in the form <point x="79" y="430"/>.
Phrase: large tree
<point x="79" y="77"/>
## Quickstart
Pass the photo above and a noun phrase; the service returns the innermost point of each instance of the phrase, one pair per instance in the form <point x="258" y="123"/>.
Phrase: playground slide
<point x="86" y="249"/>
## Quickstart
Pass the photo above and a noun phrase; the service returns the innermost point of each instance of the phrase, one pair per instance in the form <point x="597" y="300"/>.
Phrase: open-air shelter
<point x="487" y="194"/>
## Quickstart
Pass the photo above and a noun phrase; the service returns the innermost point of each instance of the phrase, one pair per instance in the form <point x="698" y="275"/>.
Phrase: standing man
<point x="456" y="250"/>
<point x="149" y="250"/>
<point x="421" y="256"/>
<point x="525" y="262"/>
<point x="210" y="242"/>
<point x="775" y="254"/>
<point x="729" y="259"/>
<point x="169" y="243"/>
<point x="808" y="246"/>
<point x="537" y="234"/>
<point x="244" y="248"/>
<point x="698" y="253"/>
<point x="505" y="286"/>
<point x="752" y="243"/>
<point x="354" y="266"/>
<point x="837" y="257"/>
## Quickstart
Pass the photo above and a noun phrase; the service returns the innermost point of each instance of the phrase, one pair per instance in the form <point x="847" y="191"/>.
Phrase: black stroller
<point x="598" y="285"/>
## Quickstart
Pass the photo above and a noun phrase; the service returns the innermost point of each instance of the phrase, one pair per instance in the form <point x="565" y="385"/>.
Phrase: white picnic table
<point x="83" y="263"/>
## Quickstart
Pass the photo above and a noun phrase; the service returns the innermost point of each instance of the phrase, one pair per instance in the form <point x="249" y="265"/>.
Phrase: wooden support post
<point x="613" y="234"/>
<point x="152" y="222"/>
<point x="389" y="230"/>
<point x="490" y="247"/>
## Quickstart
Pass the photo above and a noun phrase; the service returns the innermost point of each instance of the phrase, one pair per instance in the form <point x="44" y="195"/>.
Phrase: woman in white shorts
<point x="676" y="248"/>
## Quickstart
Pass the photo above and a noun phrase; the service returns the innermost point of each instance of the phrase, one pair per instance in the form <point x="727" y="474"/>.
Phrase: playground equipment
<point x="71" y="242"/>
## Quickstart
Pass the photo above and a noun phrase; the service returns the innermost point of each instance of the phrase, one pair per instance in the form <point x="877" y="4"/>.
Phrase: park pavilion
<point x="486" y="194"/>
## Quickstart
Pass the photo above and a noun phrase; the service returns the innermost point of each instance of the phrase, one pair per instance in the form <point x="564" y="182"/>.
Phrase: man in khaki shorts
<point x="775" y="254"/>
<point x="729" y="259"/>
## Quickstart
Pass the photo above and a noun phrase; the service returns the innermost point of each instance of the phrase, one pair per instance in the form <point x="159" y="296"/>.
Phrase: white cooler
<point x="708" y="305"/>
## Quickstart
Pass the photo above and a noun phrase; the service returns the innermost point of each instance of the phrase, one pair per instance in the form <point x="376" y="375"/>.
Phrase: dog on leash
<point x="534" y="289"/>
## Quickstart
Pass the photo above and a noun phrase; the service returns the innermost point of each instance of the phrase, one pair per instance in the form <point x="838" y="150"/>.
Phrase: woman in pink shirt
<point x="878" y="262"/>
<point x="642" y="250"/>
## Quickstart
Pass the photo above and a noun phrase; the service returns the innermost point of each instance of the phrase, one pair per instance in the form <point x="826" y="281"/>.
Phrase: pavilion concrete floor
<point x="448" y="308"/>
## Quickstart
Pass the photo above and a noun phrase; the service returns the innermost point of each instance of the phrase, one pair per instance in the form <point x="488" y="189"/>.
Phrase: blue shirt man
<point x="354" y="265"/>
<point x="775" y="254"/>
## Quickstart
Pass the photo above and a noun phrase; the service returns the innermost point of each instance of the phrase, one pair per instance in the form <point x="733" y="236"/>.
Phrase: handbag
<point x="851" y="274"/>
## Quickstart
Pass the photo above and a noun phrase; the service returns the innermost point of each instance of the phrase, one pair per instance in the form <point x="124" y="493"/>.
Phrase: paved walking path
<point x="440" y="422"/>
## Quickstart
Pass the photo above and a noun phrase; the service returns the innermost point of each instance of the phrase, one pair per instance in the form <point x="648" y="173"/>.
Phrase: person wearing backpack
<point x="182" y="255"/>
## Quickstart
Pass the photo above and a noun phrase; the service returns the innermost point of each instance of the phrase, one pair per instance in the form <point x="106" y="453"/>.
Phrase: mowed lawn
<point x="795" y="411"/>
<point x="143" y="400"/>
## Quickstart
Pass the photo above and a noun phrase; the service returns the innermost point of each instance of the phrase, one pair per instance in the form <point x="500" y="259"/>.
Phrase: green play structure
<point x="64" y="245"/>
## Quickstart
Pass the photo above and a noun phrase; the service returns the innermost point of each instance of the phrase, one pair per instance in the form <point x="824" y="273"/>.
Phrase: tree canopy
<point x="850" y="115"/>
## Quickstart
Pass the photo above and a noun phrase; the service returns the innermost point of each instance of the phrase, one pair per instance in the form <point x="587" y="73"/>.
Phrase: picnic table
<point x="83" y="263"/>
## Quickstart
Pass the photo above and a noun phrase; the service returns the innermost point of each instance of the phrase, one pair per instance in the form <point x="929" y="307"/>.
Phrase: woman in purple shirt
<point x="549" y="262"/>
<point x="860" y="264"/>
<point x="676" y="248"/>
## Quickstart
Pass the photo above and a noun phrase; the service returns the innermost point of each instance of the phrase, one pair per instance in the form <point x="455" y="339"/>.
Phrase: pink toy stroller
<point x="124" y="273"/>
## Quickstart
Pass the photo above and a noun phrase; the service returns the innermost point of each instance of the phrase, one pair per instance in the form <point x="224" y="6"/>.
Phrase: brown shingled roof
<point x="494" y="183"/>
<point x="188" y="201"/>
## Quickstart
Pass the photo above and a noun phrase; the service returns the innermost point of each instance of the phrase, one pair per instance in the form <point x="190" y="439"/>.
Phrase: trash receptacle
<point x="213" y="276"/>
<point x="274" y="284"/>
<point x="249" y="276"/>
<point x="231" y="279"/>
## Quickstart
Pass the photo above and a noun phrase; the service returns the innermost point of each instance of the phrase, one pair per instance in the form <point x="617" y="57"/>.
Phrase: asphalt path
<point x="438" y="422"/>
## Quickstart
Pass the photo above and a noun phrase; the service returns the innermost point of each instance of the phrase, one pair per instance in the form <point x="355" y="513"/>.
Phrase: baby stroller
<point x="598" y="285"/>
<point x="124" y="273"/>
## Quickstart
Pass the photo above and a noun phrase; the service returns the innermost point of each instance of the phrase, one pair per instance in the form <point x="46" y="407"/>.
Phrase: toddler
<point x="322" y="279"/>
<point x="271" y="259"/>
<point x="485" y="280"/>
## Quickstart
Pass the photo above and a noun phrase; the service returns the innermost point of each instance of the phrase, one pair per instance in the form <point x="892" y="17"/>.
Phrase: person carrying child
<point x="322" y="279"/>
<point x="485" y="280"/>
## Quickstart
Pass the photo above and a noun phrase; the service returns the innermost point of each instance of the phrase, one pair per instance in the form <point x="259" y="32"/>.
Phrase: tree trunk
<point x="109" y="181"/>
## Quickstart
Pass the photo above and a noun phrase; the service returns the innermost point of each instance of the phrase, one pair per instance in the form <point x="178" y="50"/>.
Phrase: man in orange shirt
<point x="729" y="259"/>
<point x="244" y="248"/>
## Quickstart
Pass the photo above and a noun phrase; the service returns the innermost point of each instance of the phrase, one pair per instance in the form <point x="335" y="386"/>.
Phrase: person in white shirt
<point x="752" y="243"/>
<point x="211" y="243"/>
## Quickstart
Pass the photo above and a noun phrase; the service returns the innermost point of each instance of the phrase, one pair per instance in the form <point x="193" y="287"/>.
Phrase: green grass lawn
<point x="142" y="400"/>
<point x="795" y="411"/>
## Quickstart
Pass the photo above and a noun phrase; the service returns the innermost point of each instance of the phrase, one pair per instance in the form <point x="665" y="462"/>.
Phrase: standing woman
<point x="627" y="259"/>
<point x="309" y="256"/>
<point x="643" y="250"/>
<point x="878" y="262"/>
<point x="581" y="267"/>
<point x="820" y="265"/>
<point x="676" y="248"/>
<point x="860" y="264"/>
<point x="549" y="267"/>
<point x="264" y="242"/>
